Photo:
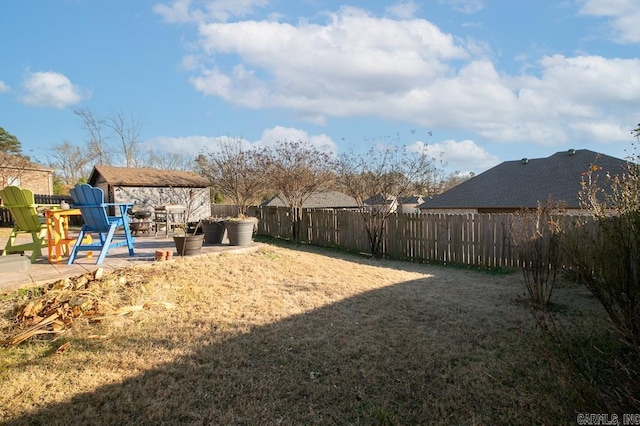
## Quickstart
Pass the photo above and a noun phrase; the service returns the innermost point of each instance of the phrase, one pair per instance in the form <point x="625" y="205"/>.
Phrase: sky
<point x="475" y="82"/>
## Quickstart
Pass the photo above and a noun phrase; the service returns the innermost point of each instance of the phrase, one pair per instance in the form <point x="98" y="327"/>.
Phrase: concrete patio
<point x="145" y="247"/>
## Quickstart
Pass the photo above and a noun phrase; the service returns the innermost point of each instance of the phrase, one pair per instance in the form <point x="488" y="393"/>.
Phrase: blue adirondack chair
<point x="90" y="201"/>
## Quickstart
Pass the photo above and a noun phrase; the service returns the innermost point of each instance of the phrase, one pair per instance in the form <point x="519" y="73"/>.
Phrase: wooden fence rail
<point x="479" y="240"/>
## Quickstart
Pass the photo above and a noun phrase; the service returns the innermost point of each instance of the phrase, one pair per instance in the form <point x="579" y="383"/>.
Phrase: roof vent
<point x="572" y="151"/>
<point x="524" y="160"/>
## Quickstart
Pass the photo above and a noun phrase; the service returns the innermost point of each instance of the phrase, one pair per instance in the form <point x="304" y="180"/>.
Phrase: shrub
<point x="536" y="236"/>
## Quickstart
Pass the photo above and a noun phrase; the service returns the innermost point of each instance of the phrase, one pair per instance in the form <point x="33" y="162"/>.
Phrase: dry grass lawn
<point x="291" y="335"/>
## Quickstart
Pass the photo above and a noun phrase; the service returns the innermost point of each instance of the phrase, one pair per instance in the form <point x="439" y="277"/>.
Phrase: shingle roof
<point x="14" y="162"/>
<point x="522" y="184"/>
<point x="329" y="199"/>
<point x="128" y="176"/>
<point x="412" y="199"/>
<point x="380" y="200"/>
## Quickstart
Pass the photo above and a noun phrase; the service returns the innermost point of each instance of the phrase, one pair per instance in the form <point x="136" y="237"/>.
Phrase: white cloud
<point x="407" y="70"/>
<point x="464" y="156"/>
<point x="549" y="108"/>
<point x="3" y="87"/>
<point x="403" y="10"/>
<point x="571" y="91"/>
<point x="349" y="66"/>
<point x="190" y="63"/>
<point x="465" y="6"/>
<point x="50" y="89"/>
<point x="607" y="80"/>
<point x="181" y="11"/>
<point x="240" y="87"/>
<point x="623" y="16"/>
<point x="222" y="10"/>
<point x="601" y="131"/>
<point x="189" y="145"/>
<point x="194" y="145"/>
<point x="281" y="134"/>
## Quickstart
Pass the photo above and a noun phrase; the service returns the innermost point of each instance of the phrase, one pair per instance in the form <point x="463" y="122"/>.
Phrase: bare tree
<point x="122" y="143"/>
<point x="385" y="172"/>
<point x="96" y="143"/>
<point x="233" y="169"/>
<point x="170" y="161"/>
<point x="72" y="163"/>
<point x="294" y="171"/>
<point x="126" y="132"/>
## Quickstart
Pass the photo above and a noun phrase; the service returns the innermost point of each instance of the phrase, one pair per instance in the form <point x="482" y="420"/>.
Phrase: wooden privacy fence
<point x="224" y="210"/>
<point x="469" y="239"/>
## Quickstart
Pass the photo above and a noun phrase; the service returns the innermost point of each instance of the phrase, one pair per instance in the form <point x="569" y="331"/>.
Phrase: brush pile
<point x="92" y="296"/>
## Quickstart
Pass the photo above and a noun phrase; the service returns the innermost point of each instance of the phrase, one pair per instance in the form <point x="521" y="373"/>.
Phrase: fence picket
<point x="479" y="240"/>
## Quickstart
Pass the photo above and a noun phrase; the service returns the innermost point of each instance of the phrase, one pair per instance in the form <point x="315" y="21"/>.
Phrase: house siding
<point x="38" y="181"/>
<point x="157" y="188"/>
<point x="162" y="196"/>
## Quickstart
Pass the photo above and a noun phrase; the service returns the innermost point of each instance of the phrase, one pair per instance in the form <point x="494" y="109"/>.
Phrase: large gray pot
<point x="213" y="232"/>
<point x="239" y="232"/>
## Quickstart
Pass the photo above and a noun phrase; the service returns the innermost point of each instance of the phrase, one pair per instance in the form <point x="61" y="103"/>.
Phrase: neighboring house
<point x="514" y="185"/>
<point x="27" y="175"/>
<point x="380" y="203"/>
<point x="410" y="204"/>
<point x="157" y="187"/>
<point x="319" y="200"/>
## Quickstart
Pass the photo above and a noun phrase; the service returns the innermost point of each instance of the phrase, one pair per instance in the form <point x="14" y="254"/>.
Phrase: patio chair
<point x="27" y="220"/>
<point x="90" y="201"/>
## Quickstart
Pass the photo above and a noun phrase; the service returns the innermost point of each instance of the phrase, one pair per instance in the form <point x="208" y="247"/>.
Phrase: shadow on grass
<point x="396" y="355"/>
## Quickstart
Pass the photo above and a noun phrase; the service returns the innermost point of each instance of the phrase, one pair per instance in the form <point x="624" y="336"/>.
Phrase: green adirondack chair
<point x="24" y="210"/>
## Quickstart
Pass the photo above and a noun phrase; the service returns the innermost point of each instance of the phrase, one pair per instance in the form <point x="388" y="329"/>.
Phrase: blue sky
<point x="479" y="81"/>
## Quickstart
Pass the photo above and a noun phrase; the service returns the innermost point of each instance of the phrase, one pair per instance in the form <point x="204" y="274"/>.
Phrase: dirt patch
<point x="290" y="336"/>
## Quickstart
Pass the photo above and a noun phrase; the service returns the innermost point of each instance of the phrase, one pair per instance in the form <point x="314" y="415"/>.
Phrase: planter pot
<point x="213" y="232"/>
<point x="239" y="232"/>
<point x="189" y="245"/>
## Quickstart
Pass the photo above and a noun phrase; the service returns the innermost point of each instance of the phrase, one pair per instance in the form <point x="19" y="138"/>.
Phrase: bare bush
<point x="606" y="256"/>
<point x="591" y="359"/>
<point x="602" y="249"/>
<point x="536" y="235"/>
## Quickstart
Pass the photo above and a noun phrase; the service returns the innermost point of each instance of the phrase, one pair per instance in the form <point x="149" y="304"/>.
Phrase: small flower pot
<point x="188" y="245"/>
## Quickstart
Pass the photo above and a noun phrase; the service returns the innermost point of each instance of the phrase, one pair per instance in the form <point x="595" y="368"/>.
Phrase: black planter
<point x="213" y="232"/>
<point x="240" y="232"/>
<point x="189" y="245"/>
